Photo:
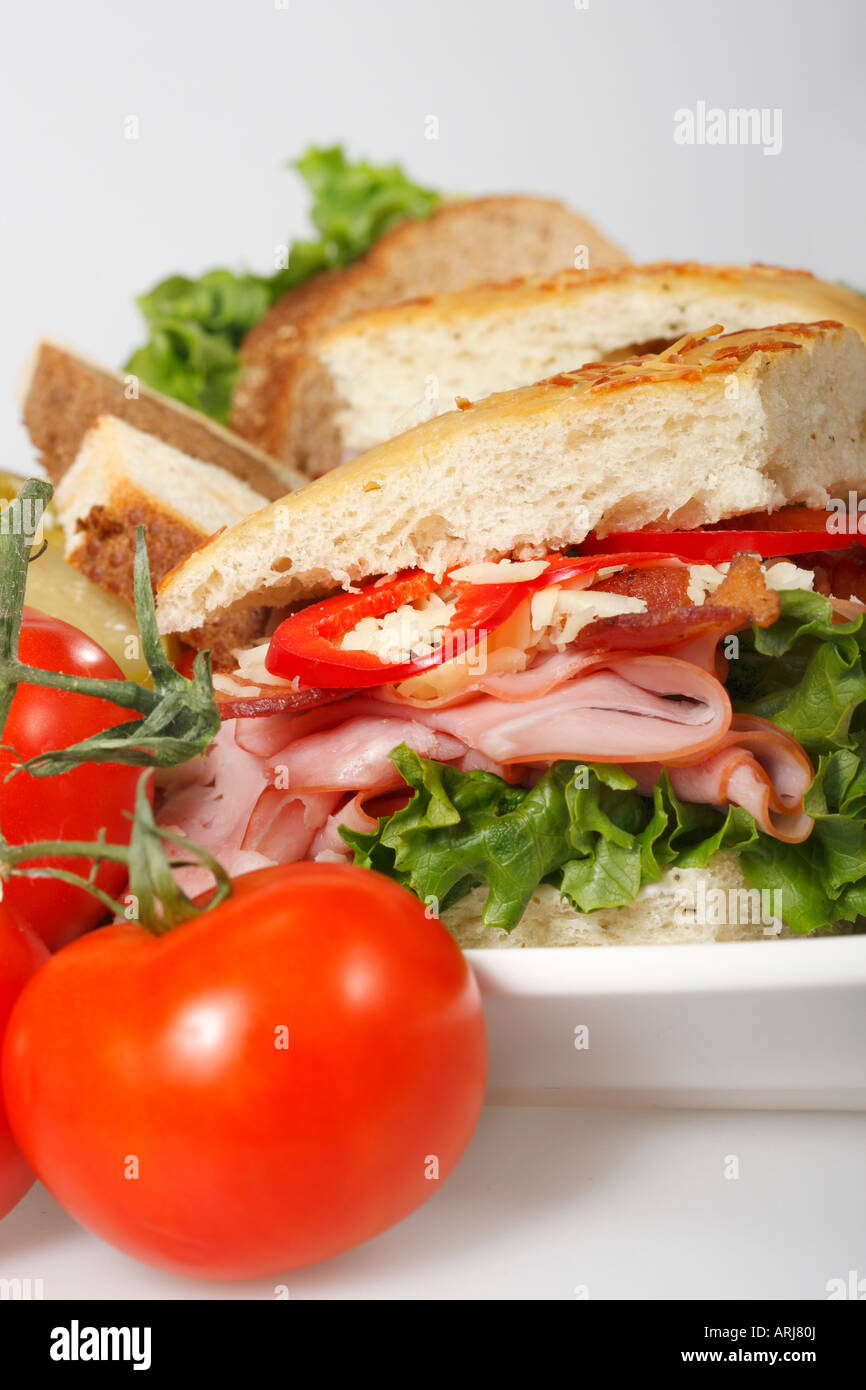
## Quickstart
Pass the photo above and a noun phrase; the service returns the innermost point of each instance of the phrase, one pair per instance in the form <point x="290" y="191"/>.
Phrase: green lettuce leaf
<point x="805" y="673"/>
<point x="196" y="326"/>
<point x="823" y="880"/>
<point x="582" y="828"/>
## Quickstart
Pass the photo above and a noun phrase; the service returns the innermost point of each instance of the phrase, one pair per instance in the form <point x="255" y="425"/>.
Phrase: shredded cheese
<point x="783" y="575"/>
<point x="703" y="580"/>
<point x="251" y="667"/>
<point x="406" y="634"/>
<point x="559" y="614"/>
<point x="500" y="571"/>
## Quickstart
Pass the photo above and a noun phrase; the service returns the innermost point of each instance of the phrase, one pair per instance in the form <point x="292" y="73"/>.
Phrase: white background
<point x="556" y="1204"/>
<point x="530" y="95"/>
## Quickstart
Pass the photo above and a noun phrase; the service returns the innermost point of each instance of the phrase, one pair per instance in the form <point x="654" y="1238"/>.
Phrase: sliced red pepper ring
<point x="711" y="547"/>
<point x="304" y="646"/>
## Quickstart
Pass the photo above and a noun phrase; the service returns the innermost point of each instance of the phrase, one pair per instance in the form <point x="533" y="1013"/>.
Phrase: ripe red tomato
<point x="73" y="805"/>
<point x="261" y="1088"/>
<point x="21" y="954"/>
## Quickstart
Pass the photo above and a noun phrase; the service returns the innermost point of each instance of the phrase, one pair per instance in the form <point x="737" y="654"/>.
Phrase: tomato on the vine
<point x="262" y="1087"/>
<point x="21" y="955"/>
<point x="75" y="805"/>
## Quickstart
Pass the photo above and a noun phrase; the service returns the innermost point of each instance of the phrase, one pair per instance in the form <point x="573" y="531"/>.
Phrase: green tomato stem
<point x="160" y="903"/>
<point x="179" y="719"/>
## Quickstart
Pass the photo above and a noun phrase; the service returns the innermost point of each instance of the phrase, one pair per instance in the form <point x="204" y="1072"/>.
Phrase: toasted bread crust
<point x="66" y="394"/>
<point x="692" y="359"/>
<point x="106" y="555"/>
<point x="459" y="243"/>
<point x="820" y="299"/>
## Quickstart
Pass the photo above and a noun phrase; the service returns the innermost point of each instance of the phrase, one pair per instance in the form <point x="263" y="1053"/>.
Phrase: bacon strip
<point x="260" y="701"/>
<point x="649" y="631"/>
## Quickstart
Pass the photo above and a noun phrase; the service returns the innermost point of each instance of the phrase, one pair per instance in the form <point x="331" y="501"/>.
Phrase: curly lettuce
<point x="196" y="326"/>
<point x="582" y="828"/>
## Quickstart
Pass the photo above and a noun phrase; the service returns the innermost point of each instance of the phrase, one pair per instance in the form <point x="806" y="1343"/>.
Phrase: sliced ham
<point x="283" y="826"/>
<point x="353" y="756"/>
<point x="352" y="813"/>
<point x="545" y="674"/>
<point x="276" y="788"/>
<point x="756" y="766"/>
<point x="630" y="708"/>
<point x="846" y="610"/>
<point x="704" y="650"/>
<point x="223" y="802"/>
<point x="212" y="800"/>
<point x="266" y="735"/>
<point x="195" y="881"/>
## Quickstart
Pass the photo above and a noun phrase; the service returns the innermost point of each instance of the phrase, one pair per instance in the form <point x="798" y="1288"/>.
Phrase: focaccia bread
<point x="722" y="425"/>
<point x="392" y="368"/>
<point x="284" y="404"/>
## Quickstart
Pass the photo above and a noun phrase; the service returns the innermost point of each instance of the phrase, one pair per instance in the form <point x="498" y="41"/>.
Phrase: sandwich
<point x="121" y="478"/>
<point x="283" y="404"/>
<point x="579" y="663"/>
<point x="377" y="373"/>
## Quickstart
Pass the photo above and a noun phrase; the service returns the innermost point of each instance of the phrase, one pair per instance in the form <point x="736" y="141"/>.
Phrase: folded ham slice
<point x="757" y="766"/>
<point x="354" y="755"/>
<point x="623" y="708"/>
<point x="545" y="674"/>
<point x="275" y="789"/>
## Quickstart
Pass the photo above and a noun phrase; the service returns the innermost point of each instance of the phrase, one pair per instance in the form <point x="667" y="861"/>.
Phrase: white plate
<point x="778" y="1024"/>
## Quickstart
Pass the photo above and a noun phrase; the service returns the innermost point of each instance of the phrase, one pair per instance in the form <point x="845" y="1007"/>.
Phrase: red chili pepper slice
<point x="304" y="646"/>
<point x="713" y="547"/>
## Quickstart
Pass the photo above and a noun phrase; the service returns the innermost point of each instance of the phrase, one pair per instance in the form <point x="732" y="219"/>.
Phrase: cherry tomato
<point x="21" y="955"/>
<point x="263" y="1087"/>
<point x="74" y="805"/>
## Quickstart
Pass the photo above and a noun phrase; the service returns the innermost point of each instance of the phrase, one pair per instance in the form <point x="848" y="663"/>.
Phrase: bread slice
<point x="65" y="393"/>
<point x="121" y="478"/>
<point x="686" y="905"/>
<point x="284" y="403"/>
<point x="391" y="368"/>
<point x="723" y="425"/>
